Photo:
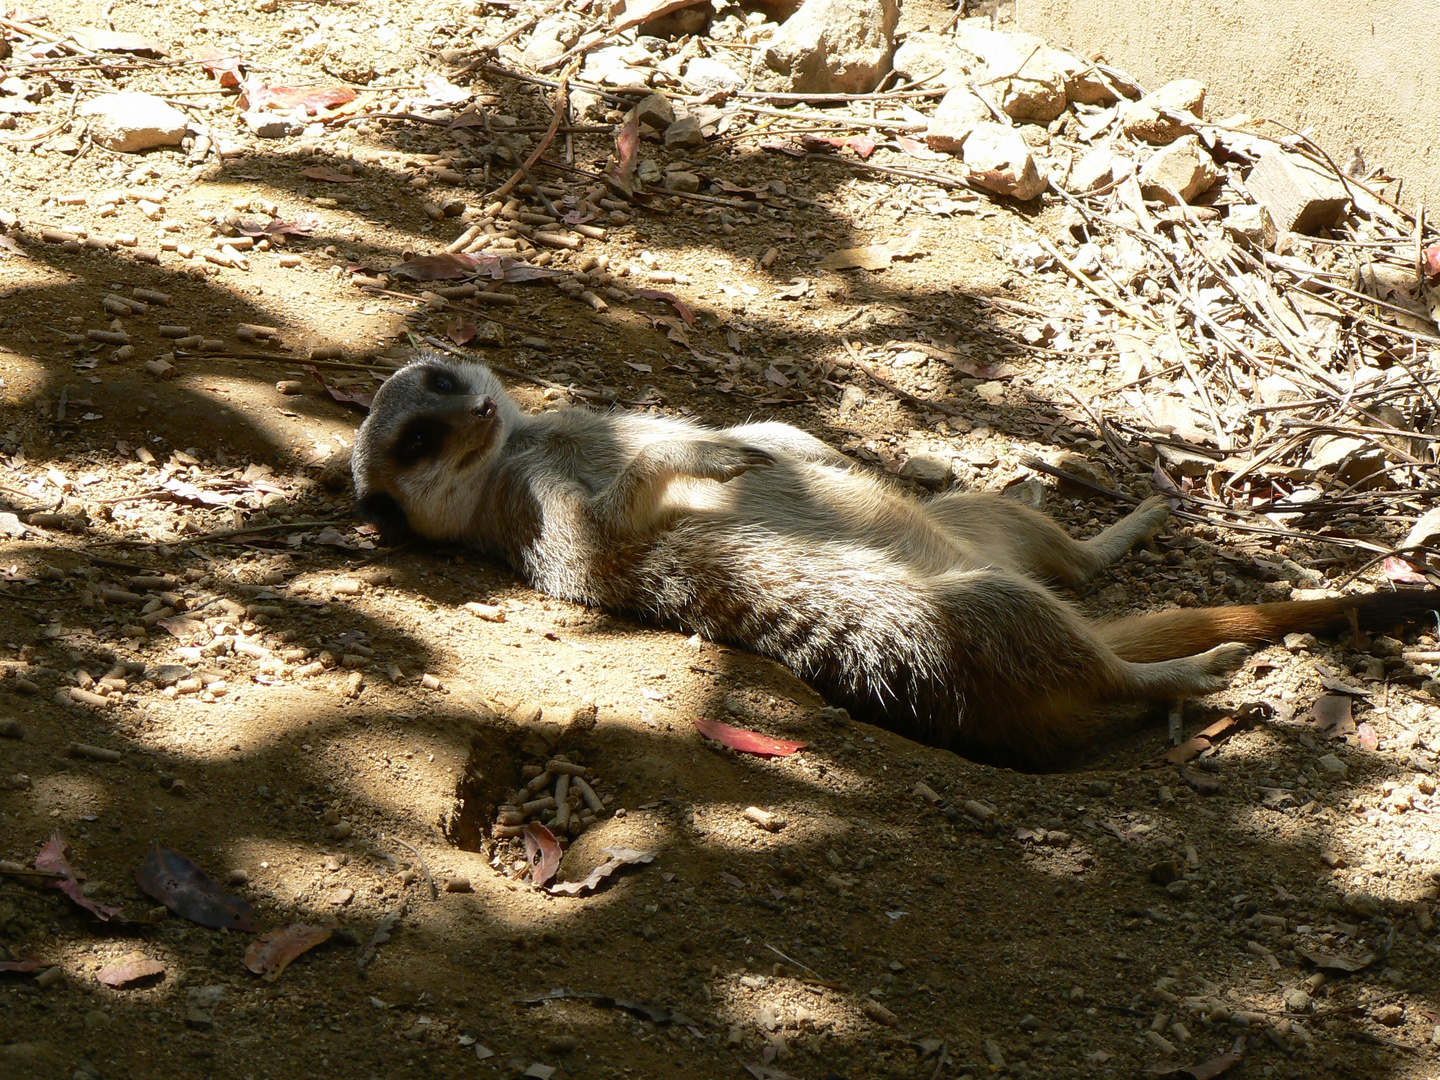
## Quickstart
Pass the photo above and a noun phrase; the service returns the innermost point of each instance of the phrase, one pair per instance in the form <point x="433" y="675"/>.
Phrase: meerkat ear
<point x="385" y="514"/>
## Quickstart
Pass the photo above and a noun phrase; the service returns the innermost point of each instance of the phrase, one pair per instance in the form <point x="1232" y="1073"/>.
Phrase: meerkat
<point x="929" y="616"/>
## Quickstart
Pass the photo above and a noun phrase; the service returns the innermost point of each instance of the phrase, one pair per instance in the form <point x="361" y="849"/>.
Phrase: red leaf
<point x="52" y="858"/>
<point x="627" y="149"/>
<point x="256" y="95"/>
<point x="542" y="851"/>
<point x="1403" y="571"/>
<point x="671" y="299"/>
<point x="191" y="893"/>
<point x="270" y="954"/>
<point x="1431" y="258"/>
<point x="23" y="967"/>
<point x="460" y="329"/>
<point x="747" y="742"/>
<point x="132" y="969"/>
<point x="1369" y="738"/>
<point x="223" y="67"/>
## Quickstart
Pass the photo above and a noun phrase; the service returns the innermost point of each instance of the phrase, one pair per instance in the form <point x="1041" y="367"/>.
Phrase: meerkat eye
<point x="442" y="383"/>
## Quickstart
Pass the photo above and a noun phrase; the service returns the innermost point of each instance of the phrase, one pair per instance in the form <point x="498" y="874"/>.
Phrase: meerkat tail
<point x="1166" y="635"/>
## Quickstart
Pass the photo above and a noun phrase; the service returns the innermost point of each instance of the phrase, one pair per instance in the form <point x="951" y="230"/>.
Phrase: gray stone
<point x="926" y="468"/>
<point x="957" y="115"/>
<point x="198" y="1019"/>
<point x="551" y="37"/>
<point x="680" y="180"/>
<point x="1161" y="116"/>
<point x="618" y="65"/>
<point x="1332" y="766"/>
<point x="923" y="53"/>
<point x="999" y="161"/>
<point x="713" y="75"/>
<point x="685" y="132"/>
<point x="1024" y="75"/>
<point x="130" y="122"/>
<point x="832" y="46"/>
<point x="1183" y="168"/>
<point x="269" y="126"/>
<point x="586" y="104"/>
<point x="656" y="111"/>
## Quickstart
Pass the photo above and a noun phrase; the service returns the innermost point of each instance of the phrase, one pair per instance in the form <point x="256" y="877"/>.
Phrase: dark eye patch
<point x="424" y="437"/>
<point x="440" y="381"/>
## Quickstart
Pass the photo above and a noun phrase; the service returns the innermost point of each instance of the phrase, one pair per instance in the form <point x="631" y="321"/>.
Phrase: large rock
<point x="1095" y="170"/>
<point x="1163" y="115"/>
<point x="831" y="47"/>
<point x="1024" y="75"/>
<point x="129" y="122"/>
<point x="959" y="113"/>
<point x="551" y="37"/>
<point x="999" y="161"/>
<point x="923" y="53"/>
<point x="1184" y="169"/>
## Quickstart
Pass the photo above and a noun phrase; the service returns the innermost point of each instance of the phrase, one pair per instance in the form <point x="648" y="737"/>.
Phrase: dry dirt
<point x="1102" y="922"/>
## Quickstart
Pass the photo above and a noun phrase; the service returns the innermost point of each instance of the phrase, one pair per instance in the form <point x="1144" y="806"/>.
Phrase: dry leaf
<point x="541" y="851"/>
<point x="747" y="742"/>
<point x="130" y="970"/>
<point x="873" y="256"/>
<point x="270" y="954"/>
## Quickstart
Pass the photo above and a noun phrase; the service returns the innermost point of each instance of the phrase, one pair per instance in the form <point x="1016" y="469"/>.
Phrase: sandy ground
<point x="917" y="915"/>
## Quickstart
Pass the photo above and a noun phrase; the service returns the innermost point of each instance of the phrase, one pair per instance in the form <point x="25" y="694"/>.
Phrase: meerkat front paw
<point x="1150" y="515"/>
<point x="1221" y="662"/>
<point x="718" y="461"/>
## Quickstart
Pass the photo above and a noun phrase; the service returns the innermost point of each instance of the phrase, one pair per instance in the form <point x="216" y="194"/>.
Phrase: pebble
<point x="1389" y="1015"/>
<point x="10" y="728"/>
<point x="199" y="1019"/>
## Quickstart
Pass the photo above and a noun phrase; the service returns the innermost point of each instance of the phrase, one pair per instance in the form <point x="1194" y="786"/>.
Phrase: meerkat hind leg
<point x="1012" y="534"/>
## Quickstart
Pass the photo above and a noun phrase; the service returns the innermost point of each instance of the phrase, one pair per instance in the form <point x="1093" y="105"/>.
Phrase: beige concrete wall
<point x="1364" y="73"/>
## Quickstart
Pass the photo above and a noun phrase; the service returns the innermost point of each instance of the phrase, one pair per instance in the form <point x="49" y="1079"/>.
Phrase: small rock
<point x="1297" y="1000"/>
<point x="1362" y="905"/>
<point x="685" y="132"/>
<point x="1252" y="222"/>
<point x="713" y="75"/>
<point x="960" y="111"/>
<point x="269" y="126"/>
<point x="1300" y="195"/>
<point x="458" y="885"/>
<point x="1024" y="75"/>
<point x="1183" y="168"/>
<point x="926" y="468"/>
<point x="999" y="161"/>
<point x="1160" y="116"/>
<point x="656" y="111"/>
<point x="924" y="52"/>
<point x="1332" y="766"/>
<point x="199" y="1019"/>
<point x="1389" y="1015"/>
<point x="1096" y="169"/>
<point x="130" y="122"/>
<point x="831" y="47"/>
<point x="207" y="996"/>
<point x="680" y="180"/>
<point x="551" y="38"/>
<point x="1085" y="84"/>
<point x="10" y="728"/>
<point x="1178" y="890"/>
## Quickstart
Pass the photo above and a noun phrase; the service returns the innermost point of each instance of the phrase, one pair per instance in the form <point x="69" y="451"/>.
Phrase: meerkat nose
<point x="485" y="408"/>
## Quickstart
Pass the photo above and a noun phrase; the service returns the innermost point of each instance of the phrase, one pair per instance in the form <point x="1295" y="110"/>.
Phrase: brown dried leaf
<point x="873" y="256"/>
<point x="255" y="95"/>
<point x="1336" y="962"/>
<point x="223" y="67"/>
<point x="130" y="971"/>
<point x="541" y="851"/>
<point x="270" y="954"/>
<point x="619" y="857"/>
<point x="189" y="892"/>
<point x="747" y="742"/>
<point x="99" y="39"/>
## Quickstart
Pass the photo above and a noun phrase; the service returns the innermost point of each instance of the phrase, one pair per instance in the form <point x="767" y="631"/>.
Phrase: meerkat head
<point x="421" y="455"/>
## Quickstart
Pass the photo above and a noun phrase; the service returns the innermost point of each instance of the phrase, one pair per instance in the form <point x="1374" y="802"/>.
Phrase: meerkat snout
<point x="485" y="409"/>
